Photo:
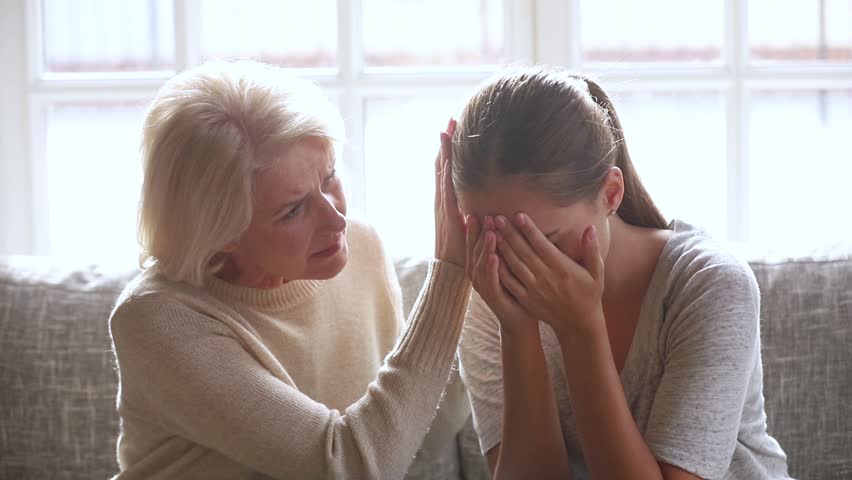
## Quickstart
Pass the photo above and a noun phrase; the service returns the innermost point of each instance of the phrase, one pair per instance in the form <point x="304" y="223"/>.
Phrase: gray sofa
<point x="57" y="403"/>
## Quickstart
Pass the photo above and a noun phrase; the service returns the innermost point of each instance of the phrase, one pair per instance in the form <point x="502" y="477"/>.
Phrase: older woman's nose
<point x="331" y="214"/>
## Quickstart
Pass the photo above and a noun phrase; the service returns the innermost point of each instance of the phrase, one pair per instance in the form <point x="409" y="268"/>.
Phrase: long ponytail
<point x="637" y="207"/>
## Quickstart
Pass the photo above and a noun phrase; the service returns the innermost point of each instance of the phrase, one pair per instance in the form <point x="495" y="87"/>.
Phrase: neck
<point x="232" y="272"/>
<point x="632" y="257"/>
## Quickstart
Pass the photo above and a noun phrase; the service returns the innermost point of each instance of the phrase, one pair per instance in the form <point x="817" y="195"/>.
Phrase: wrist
<point x="588" y="329"/>
<point x="519" y="331"/>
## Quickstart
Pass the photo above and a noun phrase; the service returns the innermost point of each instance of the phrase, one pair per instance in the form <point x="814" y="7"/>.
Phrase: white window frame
<point x="734" y="76"/>
<point x="24" y="222"/>
<point x="535" y="32"/>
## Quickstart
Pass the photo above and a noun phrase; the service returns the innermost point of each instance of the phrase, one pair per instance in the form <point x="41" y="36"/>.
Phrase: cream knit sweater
<point x="312" y="379"/>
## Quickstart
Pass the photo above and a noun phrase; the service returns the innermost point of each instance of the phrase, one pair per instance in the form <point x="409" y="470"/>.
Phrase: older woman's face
<point x="298" y="230"/>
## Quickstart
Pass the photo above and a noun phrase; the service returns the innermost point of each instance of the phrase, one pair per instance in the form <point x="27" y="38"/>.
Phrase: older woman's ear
<point x="230" y="247"/>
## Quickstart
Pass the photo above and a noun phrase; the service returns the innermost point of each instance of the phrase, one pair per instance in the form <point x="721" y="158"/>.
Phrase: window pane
<point x="290" y="33"/>
<point x="677" y="144"/>
<point x="93" y="179"/>
<point x="651" y="31"/>
<point x="401" y="140"/>
<point x="108" y="36"/>
<point x="797" y="30"/>
<point x="437" y="32"/>
<point x="800" y="167"/>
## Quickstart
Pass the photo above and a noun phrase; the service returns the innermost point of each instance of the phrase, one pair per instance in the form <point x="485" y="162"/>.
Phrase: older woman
<point x="263" y="337"/>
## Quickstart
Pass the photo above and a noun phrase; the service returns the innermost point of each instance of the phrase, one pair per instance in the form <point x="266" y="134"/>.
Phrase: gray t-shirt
<point x="692" y="378"/>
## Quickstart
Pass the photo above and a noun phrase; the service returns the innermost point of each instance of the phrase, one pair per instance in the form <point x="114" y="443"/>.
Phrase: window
<point x="733" y="111"/>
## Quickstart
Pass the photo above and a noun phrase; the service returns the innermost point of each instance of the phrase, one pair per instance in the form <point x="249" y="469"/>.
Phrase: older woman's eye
<point x="292" y="213"/>
<point x="331" y="179"/>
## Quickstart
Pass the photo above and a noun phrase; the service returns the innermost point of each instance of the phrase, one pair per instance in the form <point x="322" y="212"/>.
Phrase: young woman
<point x="604" y="342"/>
<point x="265" y="338"/>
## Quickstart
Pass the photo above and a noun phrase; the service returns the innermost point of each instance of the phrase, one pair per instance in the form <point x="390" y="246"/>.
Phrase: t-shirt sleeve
<point x="482" y="371"/>
<point x="710" y="346"/>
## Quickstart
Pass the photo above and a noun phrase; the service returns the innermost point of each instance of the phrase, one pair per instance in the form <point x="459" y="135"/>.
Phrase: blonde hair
<point x="207" y="134"/>
<point x="557" y="131"/>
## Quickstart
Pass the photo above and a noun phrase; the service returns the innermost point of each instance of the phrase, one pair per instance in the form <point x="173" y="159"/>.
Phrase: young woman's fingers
<point x="479" y="246"/>
<point x="486" y="226"/>
<point x="519" y="269"/>
<point x="517" y="242"/>
<point x="536" y="239"/>
<point x="483" y="278"/>
<point x="446" y="148"/>
<point x="489" y="246"/>
<point x="512" y="284"/>
<point x="472" y="238"/>
<point x="493" y="279"/>
<point x="592" y="255"/>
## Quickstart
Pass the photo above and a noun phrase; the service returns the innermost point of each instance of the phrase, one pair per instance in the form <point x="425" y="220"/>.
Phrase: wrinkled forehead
<point x="293" y="171"/>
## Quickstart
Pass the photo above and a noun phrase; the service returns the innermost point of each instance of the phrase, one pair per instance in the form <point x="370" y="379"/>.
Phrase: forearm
<point x="212" y="382"/>
<point x="612" y="445"/>
<point x="532" y="445"/>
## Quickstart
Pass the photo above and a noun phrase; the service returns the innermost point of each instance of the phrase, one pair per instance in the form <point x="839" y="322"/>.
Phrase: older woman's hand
<point x="449" y="224"/>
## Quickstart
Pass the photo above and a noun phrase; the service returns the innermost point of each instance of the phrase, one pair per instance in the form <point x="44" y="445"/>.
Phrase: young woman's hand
<point x="549" y="284"/>
<point x="449" y="225"/>
<point x="485" y="270"/>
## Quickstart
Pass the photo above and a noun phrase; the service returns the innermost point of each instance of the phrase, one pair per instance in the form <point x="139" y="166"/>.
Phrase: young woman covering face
<point x="604" y="342"/>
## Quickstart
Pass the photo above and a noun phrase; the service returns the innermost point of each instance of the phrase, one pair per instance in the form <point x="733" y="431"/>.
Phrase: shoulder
<point x="697" y="262"/>
<point x="363" y="238"/>
<point x="706" y="289"/>
<point x="366" y="250"/>
<point x="151" y="303"/>
<point x="368" y="261"/>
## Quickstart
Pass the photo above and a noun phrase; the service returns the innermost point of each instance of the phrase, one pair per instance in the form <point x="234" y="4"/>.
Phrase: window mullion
<point x="187" y="31"/>
<point x="16" y="213"/>
<point x="736" y="56"/>
<point x="350" y="60"/>
<point x="519" y="28"/>
<point x="555" y="44"/>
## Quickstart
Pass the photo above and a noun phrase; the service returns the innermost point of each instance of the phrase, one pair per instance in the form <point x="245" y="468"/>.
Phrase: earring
<point x="611" y="213"/>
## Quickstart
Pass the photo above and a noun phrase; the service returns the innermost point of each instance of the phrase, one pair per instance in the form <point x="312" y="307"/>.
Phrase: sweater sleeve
<point x="191" y="374"/>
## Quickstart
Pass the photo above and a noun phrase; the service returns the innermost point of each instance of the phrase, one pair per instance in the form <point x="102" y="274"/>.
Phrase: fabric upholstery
<point x="806" y="327"/>
<point x="57" y="404"/>
<point x="57" y="399"/>
<point x="57" y="418"/>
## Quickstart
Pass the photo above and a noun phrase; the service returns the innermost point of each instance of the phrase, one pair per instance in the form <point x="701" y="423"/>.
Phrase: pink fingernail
<point x="522" y="219"/>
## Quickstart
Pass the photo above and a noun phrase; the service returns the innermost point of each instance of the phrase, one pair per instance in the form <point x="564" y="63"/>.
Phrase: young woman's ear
<point x="613" y="189"/>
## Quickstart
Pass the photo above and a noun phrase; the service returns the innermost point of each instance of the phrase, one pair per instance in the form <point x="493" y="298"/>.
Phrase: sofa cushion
<point x="58" y="414"/>
<point x="57" y="403"/>
<point x="57" y="418"/>
<point x="806" y="330"/>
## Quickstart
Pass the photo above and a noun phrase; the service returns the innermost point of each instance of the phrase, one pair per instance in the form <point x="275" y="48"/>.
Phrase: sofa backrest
<point x="806" y="330"/>
<point x="57" y="400"/>
<point x="58" y="417"/>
